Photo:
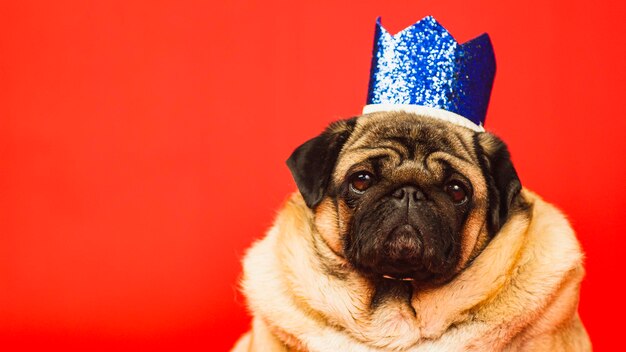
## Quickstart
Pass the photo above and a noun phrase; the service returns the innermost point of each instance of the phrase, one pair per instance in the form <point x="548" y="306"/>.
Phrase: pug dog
<point x="410" y="233"/>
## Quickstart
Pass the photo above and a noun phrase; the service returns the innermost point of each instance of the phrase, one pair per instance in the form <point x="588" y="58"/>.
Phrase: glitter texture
<point x="424" y="65"/>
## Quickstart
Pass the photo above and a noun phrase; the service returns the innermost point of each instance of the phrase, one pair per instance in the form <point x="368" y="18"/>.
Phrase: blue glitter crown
<point x="423" y="66"/>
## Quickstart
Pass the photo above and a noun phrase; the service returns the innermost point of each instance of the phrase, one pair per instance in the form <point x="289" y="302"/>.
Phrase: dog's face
<point x="400" y="196"/>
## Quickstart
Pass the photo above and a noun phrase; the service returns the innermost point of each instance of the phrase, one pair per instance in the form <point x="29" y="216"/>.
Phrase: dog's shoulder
<point x="538" y="303"/>
<point x="551" y="236"/>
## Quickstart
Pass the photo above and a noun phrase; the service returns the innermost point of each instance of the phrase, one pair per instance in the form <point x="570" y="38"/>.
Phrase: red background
<point x="142" y="149"/>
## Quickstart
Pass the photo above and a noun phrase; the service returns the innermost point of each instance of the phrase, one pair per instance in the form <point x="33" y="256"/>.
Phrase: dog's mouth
<point x="421" y="276"/>
<point x="389" y="277"/>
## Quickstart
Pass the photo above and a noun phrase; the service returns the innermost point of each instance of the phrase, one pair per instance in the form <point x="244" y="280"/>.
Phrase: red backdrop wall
<point x="142" y="149"/>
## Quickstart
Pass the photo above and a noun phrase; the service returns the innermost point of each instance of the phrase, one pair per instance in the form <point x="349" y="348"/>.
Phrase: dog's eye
<point x="457" y="191"/>
<point x="361" y="181"/>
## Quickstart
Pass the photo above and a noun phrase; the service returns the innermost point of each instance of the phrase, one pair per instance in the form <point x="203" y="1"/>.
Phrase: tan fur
<point x="520" y="294"/>
<point x="519" y="291"/>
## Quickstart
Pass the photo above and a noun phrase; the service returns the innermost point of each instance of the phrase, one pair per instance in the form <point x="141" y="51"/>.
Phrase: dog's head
<point x="404" y="196"/>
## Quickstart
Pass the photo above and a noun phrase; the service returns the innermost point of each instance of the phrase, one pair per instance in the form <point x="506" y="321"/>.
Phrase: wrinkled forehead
<point x="402" y="138"/>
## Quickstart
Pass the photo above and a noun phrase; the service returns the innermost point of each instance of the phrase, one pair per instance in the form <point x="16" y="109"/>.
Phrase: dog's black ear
<point x="312" y="163"/>
<point x="503" y="183"/>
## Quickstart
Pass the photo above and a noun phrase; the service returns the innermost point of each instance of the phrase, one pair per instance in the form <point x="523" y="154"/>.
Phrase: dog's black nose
<point x="409" y="194"/>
